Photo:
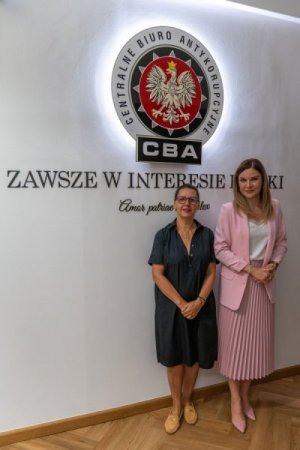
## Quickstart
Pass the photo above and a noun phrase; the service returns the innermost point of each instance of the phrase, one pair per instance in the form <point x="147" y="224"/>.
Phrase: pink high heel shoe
<point x="239" y="424"/>
<point x="239" y="421"/>
<point x="250" y="413"/>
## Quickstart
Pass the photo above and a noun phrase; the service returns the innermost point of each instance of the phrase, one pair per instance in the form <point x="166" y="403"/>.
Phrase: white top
<point x="259" y="234"/>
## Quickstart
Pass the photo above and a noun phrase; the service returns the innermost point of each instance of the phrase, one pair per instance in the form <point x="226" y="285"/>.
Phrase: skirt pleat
<point x="246" y="336"/>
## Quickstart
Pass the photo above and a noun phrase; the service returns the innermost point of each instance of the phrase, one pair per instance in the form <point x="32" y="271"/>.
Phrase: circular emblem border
<point x="152" y="43"/>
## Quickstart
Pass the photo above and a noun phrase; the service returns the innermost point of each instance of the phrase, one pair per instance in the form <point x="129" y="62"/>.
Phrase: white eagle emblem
<point x="172" y="94"/>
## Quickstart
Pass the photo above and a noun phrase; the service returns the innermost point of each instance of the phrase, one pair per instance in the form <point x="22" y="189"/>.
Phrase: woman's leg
<point x="237" y="415"/>
<point x="245" y="386"/>
<point x="175" y="378"/>
<point x="189" y="380"/>
<point x="247" y="408"/>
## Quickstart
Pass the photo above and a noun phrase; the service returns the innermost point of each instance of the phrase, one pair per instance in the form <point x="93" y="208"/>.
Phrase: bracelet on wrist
<point x="250" y="269"/>
<point x="202" y="299"/>
<point x="275" y="264"/>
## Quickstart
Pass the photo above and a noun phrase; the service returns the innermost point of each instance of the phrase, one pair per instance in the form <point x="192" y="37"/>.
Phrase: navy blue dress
<point x="179" y="340"/>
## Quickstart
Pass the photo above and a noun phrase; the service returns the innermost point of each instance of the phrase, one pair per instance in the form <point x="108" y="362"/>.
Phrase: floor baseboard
<point x="59" y="426"/>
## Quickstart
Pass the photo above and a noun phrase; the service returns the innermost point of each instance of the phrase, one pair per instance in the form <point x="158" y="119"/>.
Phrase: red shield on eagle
<point x="170" y="92"/>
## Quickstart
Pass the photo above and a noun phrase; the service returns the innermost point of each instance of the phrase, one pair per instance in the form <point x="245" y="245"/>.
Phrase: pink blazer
<point x="232" y="250"/>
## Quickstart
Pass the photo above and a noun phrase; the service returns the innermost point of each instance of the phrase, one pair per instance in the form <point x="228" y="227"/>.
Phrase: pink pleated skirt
<point x="246" y="336"/>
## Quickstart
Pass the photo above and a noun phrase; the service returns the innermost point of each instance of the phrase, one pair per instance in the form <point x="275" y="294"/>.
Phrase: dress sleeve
<point x="157" y="253"/>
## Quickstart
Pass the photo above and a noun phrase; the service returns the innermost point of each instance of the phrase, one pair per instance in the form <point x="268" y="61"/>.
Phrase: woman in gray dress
<point x="184" y="269"/>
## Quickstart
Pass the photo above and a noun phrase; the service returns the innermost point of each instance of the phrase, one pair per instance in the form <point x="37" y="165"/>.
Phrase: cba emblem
<point x="166" y="87"/>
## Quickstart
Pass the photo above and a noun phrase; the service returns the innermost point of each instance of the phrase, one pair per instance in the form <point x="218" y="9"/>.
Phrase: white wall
<point x="76" y="327"/>
<point x="288" y="7"/>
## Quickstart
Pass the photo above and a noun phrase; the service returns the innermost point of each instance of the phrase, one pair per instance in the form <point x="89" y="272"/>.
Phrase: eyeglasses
<point x="191" y="200"/>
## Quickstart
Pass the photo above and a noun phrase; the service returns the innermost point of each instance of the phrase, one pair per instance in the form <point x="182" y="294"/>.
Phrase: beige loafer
<point x="172" y="423"/>
<point x="190" y="414"/>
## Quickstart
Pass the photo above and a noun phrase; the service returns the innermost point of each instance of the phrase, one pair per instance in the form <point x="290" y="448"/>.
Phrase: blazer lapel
<point x="244" y="238"/>
<point x="271" y="241"/>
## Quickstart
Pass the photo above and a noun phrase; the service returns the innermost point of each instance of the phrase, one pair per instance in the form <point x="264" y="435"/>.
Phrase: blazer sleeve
<point x="226" y="232"/>
<point x="280" y="245"/>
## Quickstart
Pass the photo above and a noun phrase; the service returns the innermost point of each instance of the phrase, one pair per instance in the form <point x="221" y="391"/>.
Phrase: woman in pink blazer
<point x="250" y="242"/>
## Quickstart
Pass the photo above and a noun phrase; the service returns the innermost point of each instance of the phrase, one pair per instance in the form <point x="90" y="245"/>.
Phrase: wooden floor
<point x="277" y="406"/>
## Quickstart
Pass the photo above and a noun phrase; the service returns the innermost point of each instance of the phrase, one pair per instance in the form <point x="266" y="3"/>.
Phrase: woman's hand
<point x="272" y="266"/>
<point x="263" y="274"/>
<point x="191" y="309"/>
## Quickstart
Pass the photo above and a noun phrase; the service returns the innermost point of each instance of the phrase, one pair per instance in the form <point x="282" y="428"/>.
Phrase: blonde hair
<point x="239" y="201"/>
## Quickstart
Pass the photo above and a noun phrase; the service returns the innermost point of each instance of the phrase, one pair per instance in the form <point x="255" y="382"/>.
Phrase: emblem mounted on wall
<point x="168" y="94"/>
